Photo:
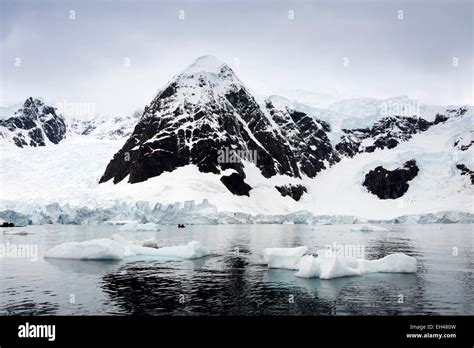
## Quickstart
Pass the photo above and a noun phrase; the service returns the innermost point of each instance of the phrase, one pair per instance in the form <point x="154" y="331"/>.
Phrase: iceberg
<point x="369" y="228"/>
<point x="309" y="267"/>
<point x="192" y="250"/>
<point x="135" y="226"/>
<point x="96" y="249"/>
<point x="328" y="266"/>
<point x="118" y="249"/>
<point x="284" y="257"/>
<point x="393" y="263"/>
<point x="151" y="243"/>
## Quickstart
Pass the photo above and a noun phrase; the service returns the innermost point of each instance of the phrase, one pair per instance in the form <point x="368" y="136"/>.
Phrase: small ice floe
<point x="326" y="266"/>
<point x="17" y="233"/>
<point x="118" y="249"/>
<point x="96" y="249"/>
<point x="284" y="257"/>
<point x="151" y="243"/>
<point x="369" y="228"/>
<point x="135" y="226"/>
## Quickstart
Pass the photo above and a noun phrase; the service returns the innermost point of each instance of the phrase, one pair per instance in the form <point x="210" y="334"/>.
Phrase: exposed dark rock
<point x="34" y="124"/>
<point x="179" y="129"/>
<point x="385" y="133"/>
<point x="294" y="191"/>
<point x="389" y="132"/>
<point x="236" y="184"/>
<point x="307" y="138"/>
<point x="464" y="142"/>
<point x="201" y="113"/>
<point x="390" y="184"/>
<point x="440" y="119"/>
<point x="466" y="171"/>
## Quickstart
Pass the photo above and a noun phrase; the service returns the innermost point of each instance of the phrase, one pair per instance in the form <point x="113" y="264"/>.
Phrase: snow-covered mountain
<point x="206" y="109"/>
<point x="388" y="132"/>
<point x="204" y="137"/>
<point x="364" y="112"/>
<point x="105" y="127"/>
<point x="35" y="124"/>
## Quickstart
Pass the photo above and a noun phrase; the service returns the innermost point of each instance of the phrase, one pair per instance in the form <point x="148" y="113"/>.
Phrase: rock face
<point x="35" y="124"/>
<point x="385" y="133"/>
<point x="236" y="184"/>
<point x="464" y="141"/>
<point x="390" y="131"/>
<point x="466" y="171"/>
<point x="294" y="191"/>
<point x="307" y="137"/>
<point x="390" y="184"/>
<point x="206" y="110"/>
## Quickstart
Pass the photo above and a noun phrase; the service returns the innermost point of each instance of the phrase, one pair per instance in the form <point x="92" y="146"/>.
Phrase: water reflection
<point x="234" y="278"/>
<point x="239" y="288"/>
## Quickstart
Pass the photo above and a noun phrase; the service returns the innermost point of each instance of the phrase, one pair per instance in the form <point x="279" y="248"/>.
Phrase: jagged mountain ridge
<point x="206" y="109"/>
<point x="35" y="124"/>
<point x="389" y="131"/>
<point x="209" y="107"/>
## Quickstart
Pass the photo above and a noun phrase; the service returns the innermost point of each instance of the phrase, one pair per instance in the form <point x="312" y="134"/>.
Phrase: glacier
<point x="141" y="216"/>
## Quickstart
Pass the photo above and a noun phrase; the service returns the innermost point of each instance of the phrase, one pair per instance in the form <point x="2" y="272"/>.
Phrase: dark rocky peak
<point x="201" y="112"/>
<point x="34" y="125"/>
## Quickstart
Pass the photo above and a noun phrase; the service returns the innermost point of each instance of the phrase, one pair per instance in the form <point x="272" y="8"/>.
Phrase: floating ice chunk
<point x="192" y="250"/>
<point x="335" y="267"/>
<point x="135" y="226"/>
<point x="393" y="263"/>
<point x="284" y="257"/>
<point x="151" y="243"/>
<point x="17" y="233"/>
<point x="96" y="249"/>
<point x="309" y="267"/>
<point x="369" y="228"/>
<point x="118" y="249"/>
<point x="328" y="267"/>
<point x="121" y="239"/>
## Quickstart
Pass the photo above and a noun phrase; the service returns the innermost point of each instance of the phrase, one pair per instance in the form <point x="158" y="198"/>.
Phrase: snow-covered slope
<point x="364" y="112"/>
<point x="319" y="98"/>
<point x="105" y="127"/>
<point x="78" y="165"/>
<point x="172" y="155"/>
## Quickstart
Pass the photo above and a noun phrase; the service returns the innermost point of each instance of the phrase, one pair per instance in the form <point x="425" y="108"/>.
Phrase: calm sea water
<point x="234" y="279"/>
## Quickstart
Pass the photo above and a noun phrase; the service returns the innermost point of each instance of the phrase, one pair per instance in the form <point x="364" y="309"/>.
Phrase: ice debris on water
<point x="118" y="248"/>
<point x="328" y="266"/>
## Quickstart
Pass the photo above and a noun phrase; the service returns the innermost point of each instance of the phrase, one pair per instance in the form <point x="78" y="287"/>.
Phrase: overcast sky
<point x="83" y="59"/>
